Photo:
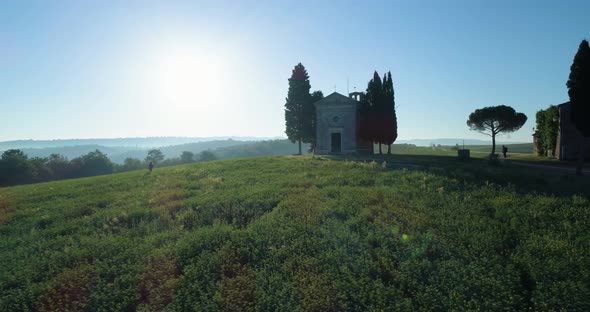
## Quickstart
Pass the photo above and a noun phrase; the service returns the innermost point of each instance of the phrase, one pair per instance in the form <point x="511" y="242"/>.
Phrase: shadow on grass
<point x="482" y="171"/>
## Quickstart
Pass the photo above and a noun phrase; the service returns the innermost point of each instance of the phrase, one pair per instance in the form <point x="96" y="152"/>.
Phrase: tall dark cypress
<point x="374" y="99"/>
<point x="310" y="135"/>
<point x="378" y="120"/>
<point x="384" y="113"/>
<point x="364" y="123"/>
<point x="578" y="86"/>
<point x="298" y="120"/>
<point x="390" y="133"/>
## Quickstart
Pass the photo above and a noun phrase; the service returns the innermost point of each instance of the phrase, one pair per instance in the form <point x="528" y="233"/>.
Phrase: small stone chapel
<point x="337" y="123"/>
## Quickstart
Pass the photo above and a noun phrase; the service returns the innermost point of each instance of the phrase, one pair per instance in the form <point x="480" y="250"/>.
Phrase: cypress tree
<point x="390" y="133"/>
<point x="311" y="129"/>
<point x="578" y="86"/>
<point x="378" y="121"/>
<point x="298" y="120"/>
<point x="383" y="113"/>
<point x="364" y="123"/>
<point x="374" y="98"/>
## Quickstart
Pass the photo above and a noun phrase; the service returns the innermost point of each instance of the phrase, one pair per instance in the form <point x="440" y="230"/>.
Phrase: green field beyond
<point x="299" y="234"/>
<point x="523" y="148"/>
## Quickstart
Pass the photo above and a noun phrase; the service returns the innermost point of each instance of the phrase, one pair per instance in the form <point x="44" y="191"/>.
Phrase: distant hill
<point x="222" y="148"/>
<point x="232" y="148"/>
<point x="150" y="142"/>
<point x="128" y="142"/>
<point x="262" y="148"/>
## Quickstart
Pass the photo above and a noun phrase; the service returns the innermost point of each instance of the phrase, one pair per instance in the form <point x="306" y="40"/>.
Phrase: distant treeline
<point x="17" y="168"/>
<point x="118" y="154"/>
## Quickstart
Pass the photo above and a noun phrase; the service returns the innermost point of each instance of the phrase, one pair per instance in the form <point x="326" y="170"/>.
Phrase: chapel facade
<point x="337" y="121"/>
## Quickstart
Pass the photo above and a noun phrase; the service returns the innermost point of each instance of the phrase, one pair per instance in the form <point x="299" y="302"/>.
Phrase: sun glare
<point x="188" y="78"/>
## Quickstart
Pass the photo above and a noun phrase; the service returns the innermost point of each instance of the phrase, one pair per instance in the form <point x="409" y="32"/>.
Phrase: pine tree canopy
<point x="496" y="119"/>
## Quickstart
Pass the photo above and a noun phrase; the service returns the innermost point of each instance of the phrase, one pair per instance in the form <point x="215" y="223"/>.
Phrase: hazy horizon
<point x="502" y="138"/>
<point x="217" y="69"/>
<point x="152" y="142"/>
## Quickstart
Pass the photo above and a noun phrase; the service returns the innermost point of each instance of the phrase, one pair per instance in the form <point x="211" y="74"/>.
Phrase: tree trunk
<point x="300" y="147"/>
<point x="493" y="145"/>
<point x="380" y="152"/>
<point x="580" y="166"/>
<point x="389" y="149"/>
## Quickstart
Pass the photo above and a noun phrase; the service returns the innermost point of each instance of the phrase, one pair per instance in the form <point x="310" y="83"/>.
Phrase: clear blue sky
<point x="88" y="69"/>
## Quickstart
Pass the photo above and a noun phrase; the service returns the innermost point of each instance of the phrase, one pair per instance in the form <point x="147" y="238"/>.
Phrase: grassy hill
<point x="261" y="148"/>
<point x="296" y="233"/>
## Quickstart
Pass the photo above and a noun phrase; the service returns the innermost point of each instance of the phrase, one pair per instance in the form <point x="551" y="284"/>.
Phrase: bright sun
<point x="188" y="78"/>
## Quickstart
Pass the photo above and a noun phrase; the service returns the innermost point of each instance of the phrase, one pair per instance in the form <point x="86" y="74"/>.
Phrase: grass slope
<point x="296" y="233"/>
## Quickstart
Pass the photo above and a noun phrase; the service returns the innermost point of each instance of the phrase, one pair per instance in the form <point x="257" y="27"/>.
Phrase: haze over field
<point x="118" y="142"/>
<point x="120" y="149"/>
<point x="145" y="143"/>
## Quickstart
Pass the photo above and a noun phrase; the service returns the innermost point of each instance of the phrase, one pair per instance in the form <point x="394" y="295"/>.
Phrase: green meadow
<point x="522" y="151"/>
<point x="300" y="234"/>
<point x="522" y="148"/>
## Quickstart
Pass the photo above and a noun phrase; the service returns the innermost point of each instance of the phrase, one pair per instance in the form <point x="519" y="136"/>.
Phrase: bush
<point x="207" y="156"/>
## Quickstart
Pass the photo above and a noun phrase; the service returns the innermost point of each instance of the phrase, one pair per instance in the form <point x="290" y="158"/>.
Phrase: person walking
<point x="151" y="166"/>
<point x="504" y="150"/>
